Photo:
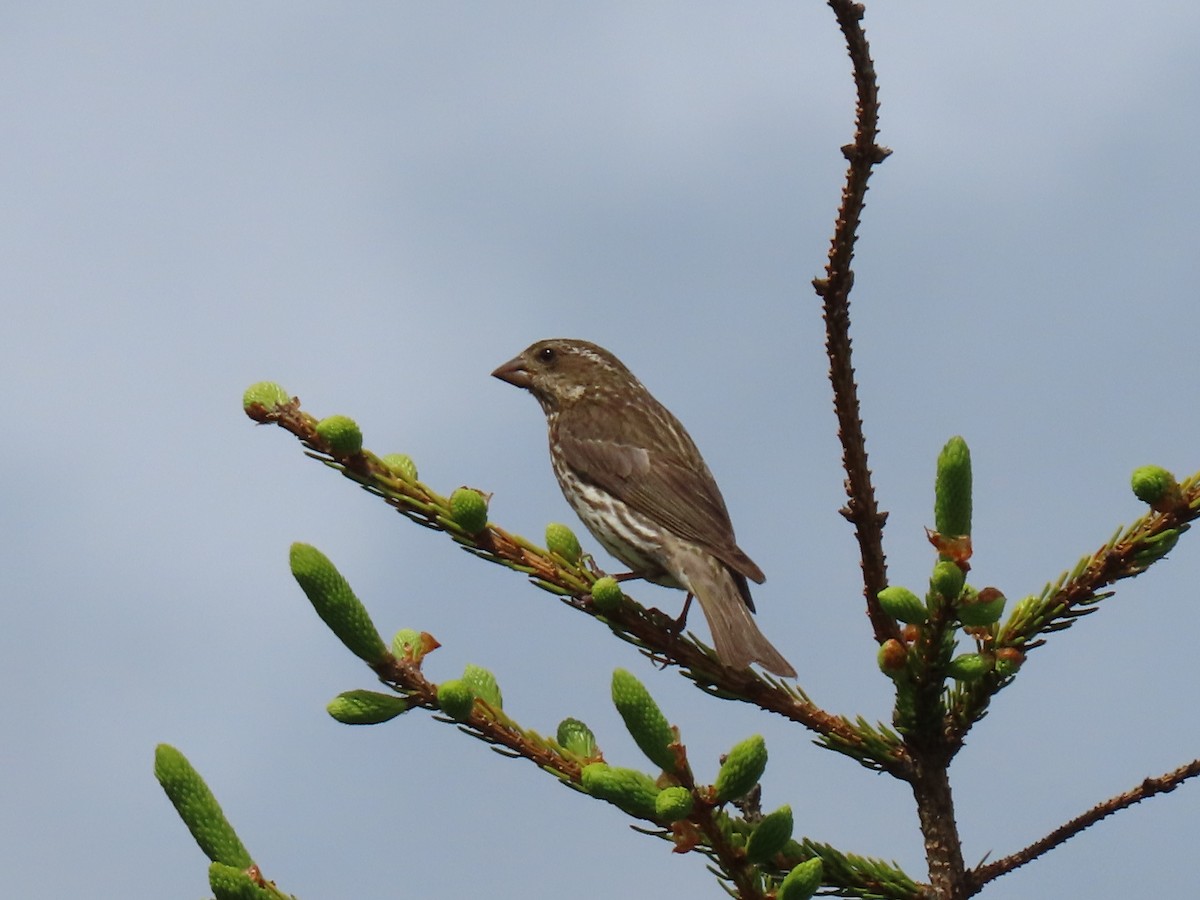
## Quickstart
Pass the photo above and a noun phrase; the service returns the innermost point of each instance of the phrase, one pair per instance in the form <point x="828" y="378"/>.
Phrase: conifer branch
<point x="650" y="630"/>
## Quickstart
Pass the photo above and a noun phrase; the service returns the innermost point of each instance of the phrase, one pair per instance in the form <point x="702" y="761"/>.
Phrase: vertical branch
<point x="935" y="808"/>
<point x="931" y="758"/>
<point x="863" y="154"/>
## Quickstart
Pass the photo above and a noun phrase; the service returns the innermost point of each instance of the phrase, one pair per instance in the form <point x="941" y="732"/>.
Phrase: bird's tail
<point x="735" y="634"/>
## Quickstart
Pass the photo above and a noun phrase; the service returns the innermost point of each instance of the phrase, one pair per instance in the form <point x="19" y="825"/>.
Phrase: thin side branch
<point x="1164" y="784"/>
<point x="862" y="509"/>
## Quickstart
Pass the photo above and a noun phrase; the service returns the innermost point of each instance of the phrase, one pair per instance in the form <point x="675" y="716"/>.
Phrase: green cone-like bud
<point x="483" y="685"/>
<point x="575" y="737"/>
<point x="198" y="808"/>
<point x="406" y="641"/>
<point x="892" y="658"/>
<point x="456" y="699"/>
<point x="1008" y="661"/>
<point x="606" y="594"/>
<point x="401" y="464"/>
<point x="645" y="721"/>
<point x="336" y="604"/>
<point x="631" y="790"/>
<point x="413" y="645"/>
<point x="673" y="803"/>
<point x="901" y="603"/>
<point x="952" y="490"/>
<point x="771" y="835"/>
<point x="267" y="394"/>
<point x="469" y="509"/>
<point x="947" y="580"/>
<point x="741" y="770"/>
<point x="342" y="434"/>
<point x="232" y="883"/>
<point x="366" y="707"/>
<point x="981" y="608"/>
<point x="802" y="882"/>
<point x="969" y="667"/>
<point x="1156" y="486"/>
<point x="561" y="540"/>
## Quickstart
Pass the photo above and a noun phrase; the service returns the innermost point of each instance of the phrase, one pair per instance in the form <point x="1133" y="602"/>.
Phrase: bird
<point x="635" y="478"/>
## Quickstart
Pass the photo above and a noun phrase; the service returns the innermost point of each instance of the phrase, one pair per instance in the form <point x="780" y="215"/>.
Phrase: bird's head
<point x="562" y="371"/>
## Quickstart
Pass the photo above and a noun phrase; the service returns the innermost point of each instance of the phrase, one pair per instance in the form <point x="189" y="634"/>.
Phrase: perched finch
<point x="633" y="475"/>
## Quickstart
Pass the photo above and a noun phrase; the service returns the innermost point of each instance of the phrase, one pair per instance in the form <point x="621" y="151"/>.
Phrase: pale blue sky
<point x="376" y="204"/>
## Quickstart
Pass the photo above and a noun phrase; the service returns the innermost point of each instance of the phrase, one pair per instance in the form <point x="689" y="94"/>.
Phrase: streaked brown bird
<point x="635" y="478"/>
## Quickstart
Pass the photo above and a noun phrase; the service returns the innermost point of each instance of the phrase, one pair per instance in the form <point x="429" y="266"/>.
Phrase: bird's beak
<point x="514" y="372"/>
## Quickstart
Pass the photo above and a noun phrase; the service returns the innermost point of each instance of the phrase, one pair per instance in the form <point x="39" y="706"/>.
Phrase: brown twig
<point x="862" y="509"/>
<point x="981" y="875"/>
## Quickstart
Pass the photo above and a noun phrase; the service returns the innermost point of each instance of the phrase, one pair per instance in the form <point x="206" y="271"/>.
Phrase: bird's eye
<point x="547" y="354"/>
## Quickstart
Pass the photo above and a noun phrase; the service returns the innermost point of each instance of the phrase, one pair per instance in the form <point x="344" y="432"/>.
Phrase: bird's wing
<point x="670" y="486"/>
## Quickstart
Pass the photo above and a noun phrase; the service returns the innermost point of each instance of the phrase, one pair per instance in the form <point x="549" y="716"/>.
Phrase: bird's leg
<point x="596" y="570"/>
<point x="677" y="624"/>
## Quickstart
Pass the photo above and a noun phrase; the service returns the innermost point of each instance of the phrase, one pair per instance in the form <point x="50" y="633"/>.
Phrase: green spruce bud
<point x="198" y="808"/>
<point x="673" y="803"/>
<point x="1008" y="661"/>
<point x="335" y="603"/>
<point x="483" y="685"/>
<point x="742" y="768"/>
<point x="902" y="604"/>
<point x="468" y="508"/>
<point x="645" y="721"/>
<point x="401" y="464"/>
<point x="576" y="738"/>
<point x="606" y="595"/>
<point x="561" y="540"/>
<point x="952" y="490"/>
<point x="802" y="882"/>
<point x="413" y="645"/>
<point x="232" y="883"/>
<point x="631" y="790"/>
<point x="405" y="642"/>
<point x="982" y="608"/>
<point x="265" y="394"/>
<point x="893" y="658"/>
<point x="1156" y="486"/>
<point x="771" y="835"/>
<point x="342" y="434"/>
<point x="947" y="580"/>
<point x="366" y="707"/>
<point x="456" y="699"/>
<point x="969" y="667"/>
